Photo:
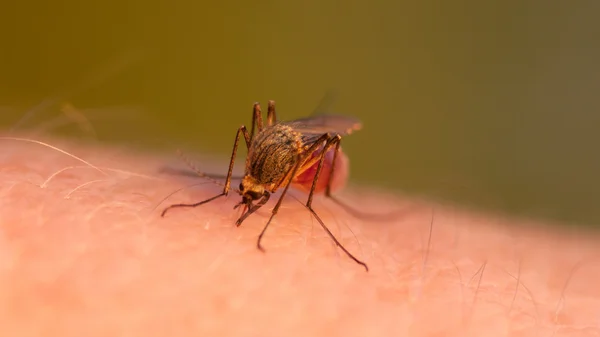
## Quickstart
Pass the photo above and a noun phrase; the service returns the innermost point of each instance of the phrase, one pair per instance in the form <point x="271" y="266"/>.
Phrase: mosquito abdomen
<point x="304" y="181"/>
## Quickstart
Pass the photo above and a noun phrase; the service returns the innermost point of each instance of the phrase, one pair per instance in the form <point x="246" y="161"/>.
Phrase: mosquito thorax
<point x="250" y="189"/>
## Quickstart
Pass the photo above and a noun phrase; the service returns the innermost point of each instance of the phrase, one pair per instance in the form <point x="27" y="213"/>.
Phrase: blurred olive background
<point x="493" y="104"/>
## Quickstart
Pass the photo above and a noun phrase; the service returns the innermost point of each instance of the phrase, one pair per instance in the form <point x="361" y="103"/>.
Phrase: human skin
<point x="86" y="253"/>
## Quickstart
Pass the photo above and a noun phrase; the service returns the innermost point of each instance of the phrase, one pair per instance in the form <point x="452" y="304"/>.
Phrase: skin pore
<point x="84" y="252"/>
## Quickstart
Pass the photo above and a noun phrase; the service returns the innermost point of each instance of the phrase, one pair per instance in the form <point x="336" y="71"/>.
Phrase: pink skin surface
<point x="85" y="252"/>
<point x="304" y="180"/>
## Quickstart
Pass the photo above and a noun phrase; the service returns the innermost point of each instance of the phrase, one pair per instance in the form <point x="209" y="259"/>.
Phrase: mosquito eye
<point x="241" y="187"/>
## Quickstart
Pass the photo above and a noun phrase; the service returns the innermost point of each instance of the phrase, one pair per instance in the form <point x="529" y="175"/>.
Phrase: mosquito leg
<point x="191" y="205"/>
<point x="351" y="210"/>
<point x="226" y="187"/>
<point x="276" y="208"/>
<point x="199" y="173"/>
<point x="257" y="122"/>
<point x="334" y="141"/>
<point x="329" y="179"/>
<point x="244" y="131"/>
<point x="271" y="115"/>
<point x="253" y="209"/>
<point x="336" y="240"/>
<point x="289" y="177"/>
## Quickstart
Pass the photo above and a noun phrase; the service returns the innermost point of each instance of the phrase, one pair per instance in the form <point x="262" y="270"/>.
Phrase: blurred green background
<point x="494" y="104"/>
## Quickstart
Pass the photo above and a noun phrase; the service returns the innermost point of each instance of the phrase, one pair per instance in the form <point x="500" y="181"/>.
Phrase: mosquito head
<point x="250" y="190"/>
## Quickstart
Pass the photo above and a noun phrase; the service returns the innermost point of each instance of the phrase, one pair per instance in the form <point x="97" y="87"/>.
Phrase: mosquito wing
<point x="321" y="124"/>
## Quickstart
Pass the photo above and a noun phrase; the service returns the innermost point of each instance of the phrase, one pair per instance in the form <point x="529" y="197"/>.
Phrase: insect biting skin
<point x="282" y="154"/>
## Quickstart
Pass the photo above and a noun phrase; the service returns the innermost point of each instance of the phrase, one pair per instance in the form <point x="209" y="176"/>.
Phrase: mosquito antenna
<point x="191" y="165"/>
<point x="177" y="191"/>
<point x="192" y="174"/>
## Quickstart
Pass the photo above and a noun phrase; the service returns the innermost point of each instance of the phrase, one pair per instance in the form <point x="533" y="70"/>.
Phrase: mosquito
<point x="283" y="154"/>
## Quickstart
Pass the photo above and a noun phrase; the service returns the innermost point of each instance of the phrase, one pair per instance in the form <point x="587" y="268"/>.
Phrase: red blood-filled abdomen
<point x="340" y="175"/>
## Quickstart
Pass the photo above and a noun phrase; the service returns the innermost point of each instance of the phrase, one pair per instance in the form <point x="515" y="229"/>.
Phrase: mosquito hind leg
<point x="352" y="210"/>
<point x="333" y="141"/>
<point x="337" y="243"/>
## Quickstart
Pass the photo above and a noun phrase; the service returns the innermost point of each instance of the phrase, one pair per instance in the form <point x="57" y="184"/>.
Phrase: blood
<point x="304" y="180"/>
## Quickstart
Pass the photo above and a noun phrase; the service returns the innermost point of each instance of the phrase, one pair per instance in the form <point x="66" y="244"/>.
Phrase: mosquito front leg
<point x="241" y="131"/>
<point x="244" y="131"/>
<point x="276" y="208"/>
